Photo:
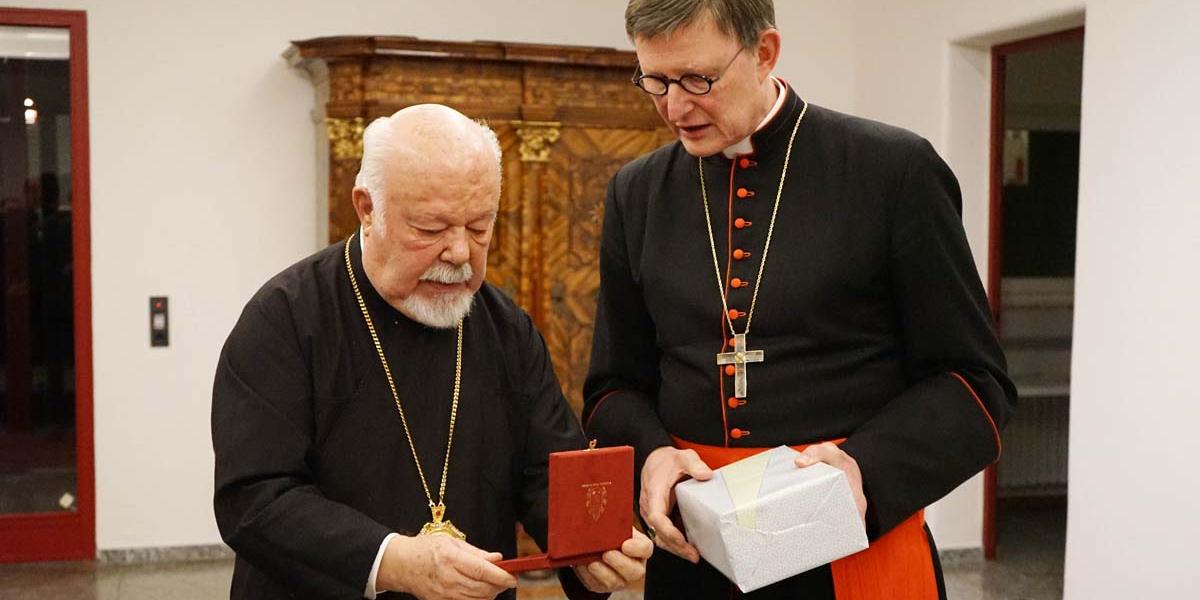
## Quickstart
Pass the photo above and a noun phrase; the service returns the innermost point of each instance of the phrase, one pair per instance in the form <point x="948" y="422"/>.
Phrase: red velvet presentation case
<point x="590" y="505"/>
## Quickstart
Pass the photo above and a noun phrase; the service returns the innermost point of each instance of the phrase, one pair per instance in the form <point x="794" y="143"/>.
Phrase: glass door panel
<point x="37" y="364"/>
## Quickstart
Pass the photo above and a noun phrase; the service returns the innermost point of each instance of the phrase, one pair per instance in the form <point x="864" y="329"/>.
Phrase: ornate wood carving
<point x="412" y="80"/>
<point x="567" y="118"/>
<point x="345" y="138"/>
<point x="342" y="218"/>
<point x="536" y="138"/>
<point x="345" y="81"/>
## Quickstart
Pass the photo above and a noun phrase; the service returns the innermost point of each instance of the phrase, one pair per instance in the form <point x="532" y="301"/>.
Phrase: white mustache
<point x="444" y="273"/>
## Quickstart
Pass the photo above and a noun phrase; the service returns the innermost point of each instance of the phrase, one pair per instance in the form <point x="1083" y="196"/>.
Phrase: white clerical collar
<point x="744" y="146"/>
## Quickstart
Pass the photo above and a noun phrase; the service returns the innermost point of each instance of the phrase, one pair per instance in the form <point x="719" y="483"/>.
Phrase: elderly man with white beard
<point x="382" y="417"/>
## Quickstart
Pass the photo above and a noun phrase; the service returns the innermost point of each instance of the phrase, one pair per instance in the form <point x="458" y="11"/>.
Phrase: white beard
<point x="443" y="311"/>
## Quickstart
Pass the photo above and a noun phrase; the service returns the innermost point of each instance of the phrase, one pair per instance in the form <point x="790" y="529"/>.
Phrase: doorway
<point x="47" y="506"/>
<point x="1036" y="99"/>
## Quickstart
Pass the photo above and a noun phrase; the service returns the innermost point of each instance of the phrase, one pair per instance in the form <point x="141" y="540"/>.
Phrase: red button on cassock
<point x="741" y="223"/>
<point x="734" y="402"/>
<point x="729" y="370"/>
<point x="744" y="193"/>
<point x="738" y="434"/>
<point x="735" y="314"/>
<point x="736" y="282"/>
<point x="739" y="254"/>
<point x="746" y="163"/>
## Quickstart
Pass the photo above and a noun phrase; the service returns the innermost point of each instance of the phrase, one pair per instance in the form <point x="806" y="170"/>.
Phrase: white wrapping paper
<point x="761" y="519"/>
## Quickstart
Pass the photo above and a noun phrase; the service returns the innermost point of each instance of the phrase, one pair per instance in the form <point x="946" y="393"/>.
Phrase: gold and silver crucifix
<point x="738" y="358"/>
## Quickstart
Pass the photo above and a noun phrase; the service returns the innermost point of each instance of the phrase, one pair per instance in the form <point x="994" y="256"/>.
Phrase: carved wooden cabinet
<point x="567" y="118"/>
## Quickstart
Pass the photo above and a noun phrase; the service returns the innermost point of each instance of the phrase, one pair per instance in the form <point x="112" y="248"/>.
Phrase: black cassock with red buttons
<point x="872" y="320"/>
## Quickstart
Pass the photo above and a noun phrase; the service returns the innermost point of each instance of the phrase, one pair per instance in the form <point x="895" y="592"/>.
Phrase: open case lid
<point x="590" y="508"/>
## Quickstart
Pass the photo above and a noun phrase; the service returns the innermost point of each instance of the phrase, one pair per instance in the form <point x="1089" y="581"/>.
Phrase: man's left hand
<point x="617" y="569"/>
<point x="833" y="456"/>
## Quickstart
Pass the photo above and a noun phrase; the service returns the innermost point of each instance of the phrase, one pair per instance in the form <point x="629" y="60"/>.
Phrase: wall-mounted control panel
<point x="158" y="321"/>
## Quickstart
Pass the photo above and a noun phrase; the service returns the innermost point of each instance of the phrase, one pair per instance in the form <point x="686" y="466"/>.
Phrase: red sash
<point x="897" y="566"/>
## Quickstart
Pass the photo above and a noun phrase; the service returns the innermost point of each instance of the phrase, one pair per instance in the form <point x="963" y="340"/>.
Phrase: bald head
<point x="424" y="139"/>
<point x="427" y="195"/>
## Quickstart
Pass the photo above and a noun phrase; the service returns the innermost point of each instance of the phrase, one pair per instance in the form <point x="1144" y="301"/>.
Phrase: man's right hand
<point x="664" y="468"/>
<point x="439" y="566"/>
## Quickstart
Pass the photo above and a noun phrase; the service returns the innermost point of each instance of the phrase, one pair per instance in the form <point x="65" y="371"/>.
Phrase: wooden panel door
<point x="570" y="202"/>
<point x="504" y="266"/>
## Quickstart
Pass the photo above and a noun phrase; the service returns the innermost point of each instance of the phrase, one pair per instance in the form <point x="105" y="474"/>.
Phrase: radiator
<point x="1034" y="461"/>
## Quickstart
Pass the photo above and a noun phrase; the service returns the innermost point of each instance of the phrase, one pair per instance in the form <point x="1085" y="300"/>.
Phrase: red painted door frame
<point x="1000" y="54"/>
<point x="67" y="535"/>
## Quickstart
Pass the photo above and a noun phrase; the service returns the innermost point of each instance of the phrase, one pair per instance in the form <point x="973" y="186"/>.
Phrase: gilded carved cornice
<point x="536" y="138"/>
<point x="345" y="137"/>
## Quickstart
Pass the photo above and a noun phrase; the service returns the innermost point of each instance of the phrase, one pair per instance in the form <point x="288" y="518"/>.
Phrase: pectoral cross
<point x="738" y="358"/>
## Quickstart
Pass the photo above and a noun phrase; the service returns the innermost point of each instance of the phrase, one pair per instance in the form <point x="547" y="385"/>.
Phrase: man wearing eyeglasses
<point x="786" y="274"/>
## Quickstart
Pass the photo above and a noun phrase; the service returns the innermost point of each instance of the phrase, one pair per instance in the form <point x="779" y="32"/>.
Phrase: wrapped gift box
<point x="761" y="520"/>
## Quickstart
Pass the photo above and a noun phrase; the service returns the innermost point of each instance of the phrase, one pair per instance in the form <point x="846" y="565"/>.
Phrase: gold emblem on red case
<point x="597" y="499"/>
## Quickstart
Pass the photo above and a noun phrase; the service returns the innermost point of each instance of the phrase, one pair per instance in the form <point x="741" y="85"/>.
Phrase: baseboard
<point x="165" y="554"/>
<point x="129" y="556"/>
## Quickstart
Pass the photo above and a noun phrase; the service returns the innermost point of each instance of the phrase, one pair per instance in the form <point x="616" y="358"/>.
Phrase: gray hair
<point x="379" y="140"/>
<point x="743" y="19"/>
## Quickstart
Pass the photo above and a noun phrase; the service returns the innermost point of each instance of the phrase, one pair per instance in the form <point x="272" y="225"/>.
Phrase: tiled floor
<point x="1031" y="543"/>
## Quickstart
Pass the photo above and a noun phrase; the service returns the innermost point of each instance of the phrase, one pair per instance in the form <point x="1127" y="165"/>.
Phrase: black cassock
<point x="313" y="469"/>
<point x="869" y="313"/>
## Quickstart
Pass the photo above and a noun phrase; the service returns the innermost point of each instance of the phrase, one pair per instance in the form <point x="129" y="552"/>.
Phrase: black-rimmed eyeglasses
<point x="692" y="83"/>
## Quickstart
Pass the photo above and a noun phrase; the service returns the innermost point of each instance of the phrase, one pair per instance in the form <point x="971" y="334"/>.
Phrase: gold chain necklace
<point x="439" y="525"/>
<point x="740" y="355"/>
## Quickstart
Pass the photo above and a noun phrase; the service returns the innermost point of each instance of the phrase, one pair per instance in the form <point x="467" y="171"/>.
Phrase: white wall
<point x="924" y="65"/>
<point x="203" y="185"/>
<point x="819" y="47"/>
<point x="1132" y="526"/>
